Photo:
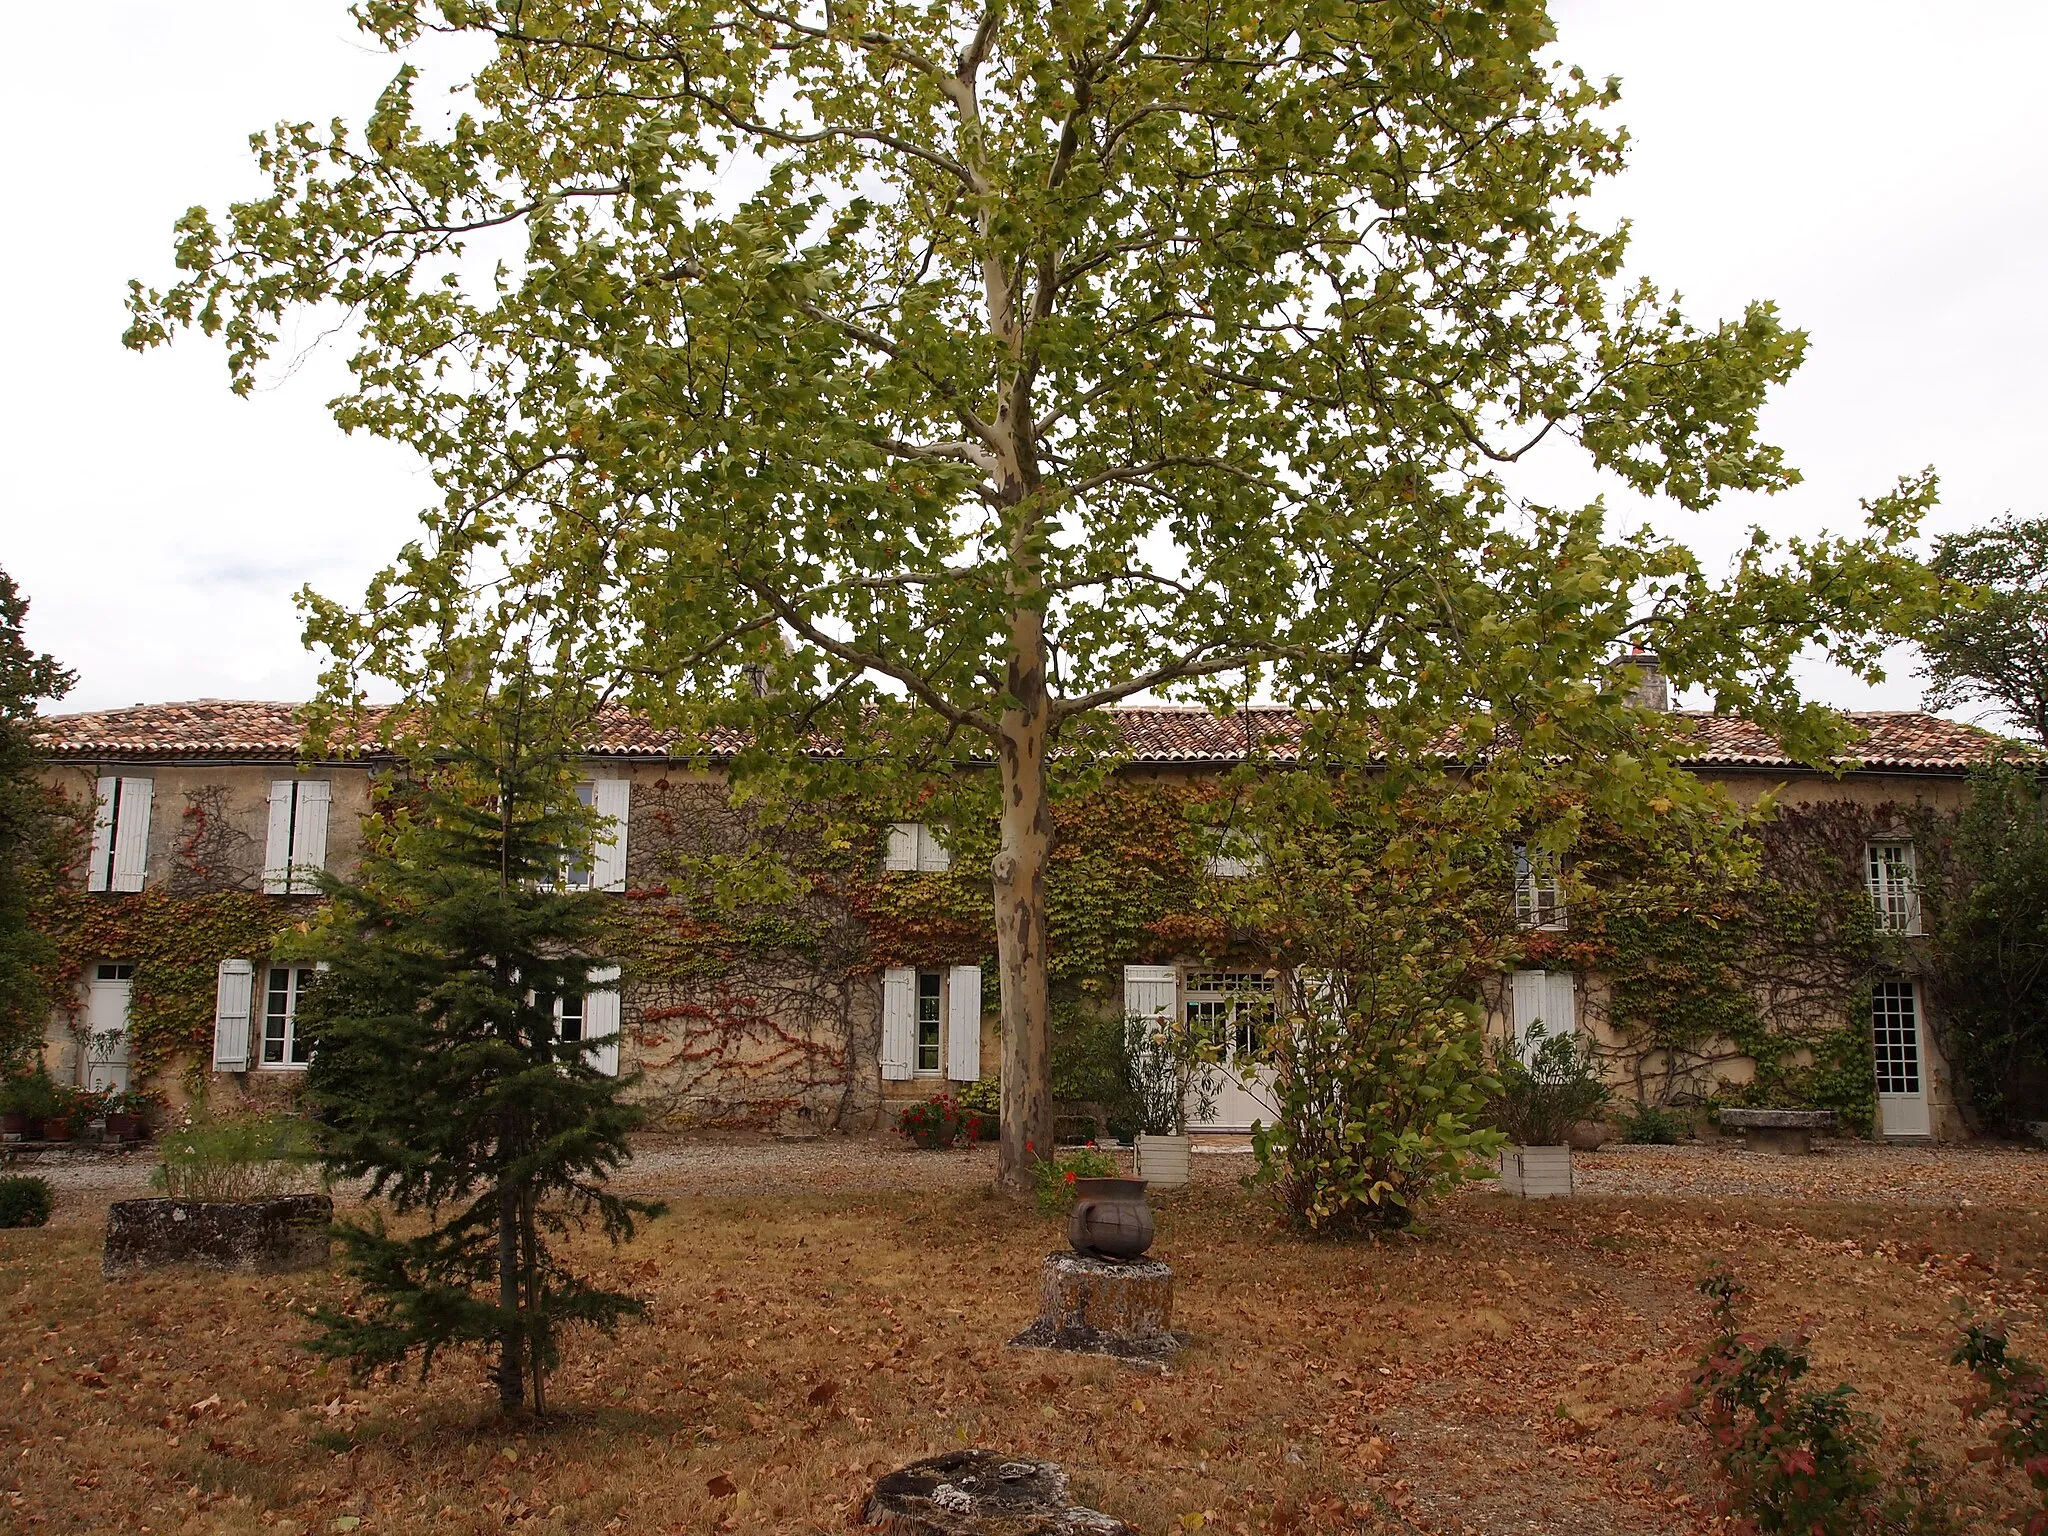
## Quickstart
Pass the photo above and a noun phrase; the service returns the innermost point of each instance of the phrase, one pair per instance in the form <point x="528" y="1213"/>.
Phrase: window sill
<point x="282" y="1066"/>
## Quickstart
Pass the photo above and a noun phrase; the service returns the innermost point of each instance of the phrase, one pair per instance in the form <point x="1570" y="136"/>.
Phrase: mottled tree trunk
<point x="1020" y="869"/>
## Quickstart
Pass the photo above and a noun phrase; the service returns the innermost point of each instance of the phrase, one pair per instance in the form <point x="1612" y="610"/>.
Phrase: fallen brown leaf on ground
<point x="1498" y="1372"/>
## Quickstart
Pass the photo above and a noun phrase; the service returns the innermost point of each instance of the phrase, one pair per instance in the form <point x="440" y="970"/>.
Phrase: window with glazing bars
<point x="928" y="983"/>
<point x="1895" y="1036"/>
<point x="1893" y="888"/>
<point x="1231" y="1008"/>
<point x="282" y="1046"/>
<point x="1539" y="888"/>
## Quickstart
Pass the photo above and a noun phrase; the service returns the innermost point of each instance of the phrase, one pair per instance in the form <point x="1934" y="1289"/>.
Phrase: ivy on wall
<point x="176" y="943"/>
<point x="1770" y="961"/>
<point x="749" y="936"/>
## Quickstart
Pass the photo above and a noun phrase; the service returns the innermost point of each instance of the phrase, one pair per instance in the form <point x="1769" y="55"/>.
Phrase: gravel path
<point x="1853" y="1171"/>
<point x="740" y="1164"/>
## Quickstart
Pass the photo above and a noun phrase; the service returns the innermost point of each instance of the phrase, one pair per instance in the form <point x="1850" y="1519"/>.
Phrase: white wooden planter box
<point x="1164" y="1162"/>
<point x="1536" y="1173"/>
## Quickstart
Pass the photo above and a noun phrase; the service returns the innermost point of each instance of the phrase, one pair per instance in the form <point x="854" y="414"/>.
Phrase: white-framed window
<point x="1234" y="1009"/>
<point x="930" y="992"/>
<point x="113" y="970"/>
<point x="1894" y="885"/>
<point x="569" y="1017"/>
<point x="931" y="1023"/>
<point x="1895" y="1036"/>
<point x="915" y="848"/>
<point x="1233" y="857"/>
<point x="1539" y="888"/>
<point x="282" y="1045"/>
<point x="576" y="870"/>
<point x="296" y="848"/>
<point x="604" y="868"/>
<point x="120" y="834"/>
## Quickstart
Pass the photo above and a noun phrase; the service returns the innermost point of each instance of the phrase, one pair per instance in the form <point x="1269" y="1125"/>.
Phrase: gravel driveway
<point x="741" y="1164"/>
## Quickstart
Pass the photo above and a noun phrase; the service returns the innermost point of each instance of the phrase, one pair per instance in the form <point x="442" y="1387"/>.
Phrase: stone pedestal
<point x="1104" y="1307"/>
<point x="264" y="1237"/>
<point x="984" y="1493"/>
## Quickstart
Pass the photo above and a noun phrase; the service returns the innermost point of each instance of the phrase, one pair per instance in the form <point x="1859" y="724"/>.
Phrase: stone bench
<point x="1788" y="1131"/>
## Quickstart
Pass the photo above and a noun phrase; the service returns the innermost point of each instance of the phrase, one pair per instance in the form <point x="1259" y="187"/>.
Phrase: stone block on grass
<point x="252" y="1237"/>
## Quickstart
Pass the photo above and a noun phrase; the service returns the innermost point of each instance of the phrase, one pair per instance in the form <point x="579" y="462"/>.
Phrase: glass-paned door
<point x="1901" y="1074"/>
<point x="106" y="1019"/>
<point x="1235" y="1010"/>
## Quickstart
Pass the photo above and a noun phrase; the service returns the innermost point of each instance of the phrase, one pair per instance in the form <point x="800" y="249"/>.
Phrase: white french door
<point x="106" y="1022"/>
<point x="1234" y="1009"/>
<point x="1901" y="1070"/>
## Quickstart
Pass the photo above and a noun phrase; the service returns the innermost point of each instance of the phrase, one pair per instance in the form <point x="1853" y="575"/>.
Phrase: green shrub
<point x="1548" y="1084"/>
<point x="1055" y="1176"/>
<point x="984" y="1096"/>
<point x="241" y="1157"/>
<point x="1649" y="1125"/>
<point x="30" y="1093"/>
<point x="25" y="1200"/>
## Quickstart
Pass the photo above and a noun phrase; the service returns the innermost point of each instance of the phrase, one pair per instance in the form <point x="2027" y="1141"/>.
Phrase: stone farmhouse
<point x="208" y="802"/>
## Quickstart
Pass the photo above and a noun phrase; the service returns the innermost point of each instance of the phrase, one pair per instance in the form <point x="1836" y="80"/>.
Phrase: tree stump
<point x="1104" y="1307"/>
<point x="984" y="1493"/>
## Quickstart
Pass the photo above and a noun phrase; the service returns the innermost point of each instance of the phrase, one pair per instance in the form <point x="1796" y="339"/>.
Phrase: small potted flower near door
<point x="1548" y="1084"/>
<point x="1174" y="1078"/>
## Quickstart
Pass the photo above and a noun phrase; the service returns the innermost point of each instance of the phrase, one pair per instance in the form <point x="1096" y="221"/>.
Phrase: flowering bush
<point x="1795" y="1461"/>
<point x="1055" y="1176"/>
<point x="941" y="1122"/>
<point x="1799" y="1461"/>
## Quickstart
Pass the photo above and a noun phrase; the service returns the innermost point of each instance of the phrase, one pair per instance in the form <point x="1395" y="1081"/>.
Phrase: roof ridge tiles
<point x="1901" y="740"/>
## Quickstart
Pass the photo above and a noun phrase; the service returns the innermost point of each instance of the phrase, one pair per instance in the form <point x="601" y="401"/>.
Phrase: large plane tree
<point x="930" y="374"/>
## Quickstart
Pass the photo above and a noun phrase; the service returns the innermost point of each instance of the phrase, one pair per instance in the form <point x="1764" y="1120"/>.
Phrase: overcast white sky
<point x="1881" y="170"/>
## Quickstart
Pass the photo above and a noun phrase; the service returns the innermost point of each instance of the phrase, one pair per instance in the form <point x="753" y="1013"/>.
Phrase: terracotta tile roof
<point x="227" y="729"/>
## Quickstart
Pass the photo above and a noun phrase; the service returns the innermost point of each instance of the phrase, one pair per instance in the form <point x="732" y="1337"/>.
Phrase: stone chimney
<point x="1651" y="689"/>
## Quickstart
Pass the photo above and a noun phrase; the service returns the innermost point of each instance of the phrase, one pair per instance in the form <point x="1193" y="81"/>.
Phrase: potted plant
<point x="64" y="1112"/>
<point x="1173" y="1075"/>
<point x="29" y="1102"/>
<point x="935" y="1122"/>
<point x="128" y="1114"/>
<point x="1549" y="1083"/>
<point x="14" y="1108"/>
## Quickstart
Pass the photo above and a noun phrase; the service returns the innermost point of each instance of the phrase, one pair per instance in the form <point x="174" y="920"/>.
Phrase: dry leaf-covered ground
<point x="824" y="1311"/>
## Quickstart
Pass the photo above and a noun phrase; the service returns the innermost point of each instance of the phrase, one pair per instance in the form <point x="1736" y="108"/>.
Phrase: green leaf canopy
<point x="932" y="375"/>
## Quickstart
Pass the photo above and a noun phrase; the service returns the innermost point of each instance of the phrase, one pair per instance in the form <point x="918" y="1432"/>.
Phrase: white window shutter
<point x="131" y="834"/>
<point x="901" y="857"/>
<point x="1560" y="1003"/>
<point x="233" y="998"/>
<point x="601" y="1018"/>
<point x="1527" y="991"/>
<point x="899" y="1022"/>
<point x="613" y="801"/>
<point x="933" y="856"/>
<point x="277" y="843"/>
<point x="309" y="835"/>
<point x="101" y="868"/>
<point x="963" y="1025"/>
<point x="1150" y="991"/>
